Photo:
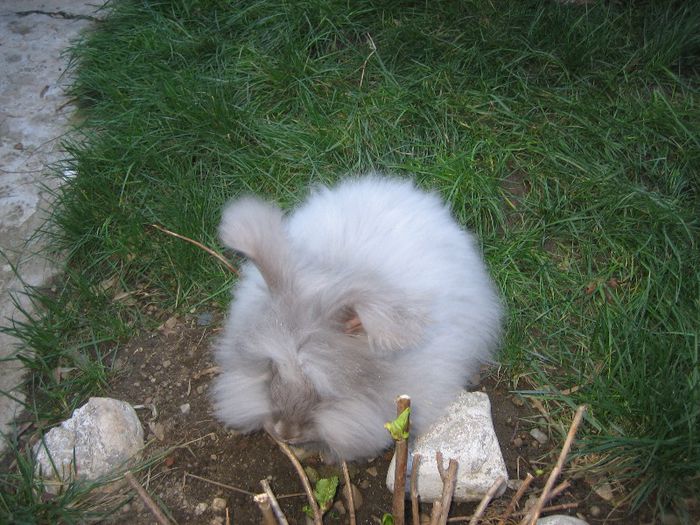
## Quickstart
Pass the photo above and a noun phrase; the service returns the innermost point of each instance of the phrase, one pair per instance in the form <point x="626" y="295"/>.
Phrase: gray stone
<point x="466" y="434"/>
<point x="540" y="436"/>
<point x="560" y="519"/>
<point x="101" y="436"/>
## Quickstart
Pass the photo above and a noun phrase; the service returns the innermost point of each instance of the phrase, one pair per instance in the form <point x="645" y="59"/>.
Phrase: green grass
<point x="567" y="137"/>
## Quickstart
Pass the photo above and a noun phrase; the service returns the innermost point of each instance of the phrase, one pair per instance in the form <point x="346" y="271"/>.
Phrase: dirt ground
<point x="200" y="470"/>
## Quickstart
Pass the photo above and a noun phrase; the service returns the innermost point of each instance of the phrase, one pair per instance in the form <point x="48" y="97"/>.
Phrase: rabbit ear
<point x="391" y="319"/>
<point x="255" y="229"/>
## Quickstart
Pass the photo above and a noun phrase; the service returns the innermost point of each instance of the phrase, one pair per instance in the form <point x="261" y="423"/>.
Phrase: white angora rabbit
<point x="367" y="291"/>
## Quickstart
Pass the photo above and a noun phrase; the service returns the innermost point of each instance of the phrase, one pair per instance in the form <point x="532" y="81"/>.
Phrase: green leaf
<point x="387" y="519"/>
<point x="324" y="491"/>
<point x="398" y="427"/>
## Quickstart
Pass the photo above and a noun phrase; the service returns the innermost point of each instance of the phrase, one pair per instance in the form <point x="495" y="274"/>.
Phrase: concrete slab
<point x="34" y="115"/>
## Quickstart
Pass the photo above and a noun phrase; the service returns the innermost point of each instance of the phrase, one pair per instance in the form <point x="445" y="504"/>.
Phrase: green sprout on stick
<point x="398" y="428"/>
<point x="324" y="493"/>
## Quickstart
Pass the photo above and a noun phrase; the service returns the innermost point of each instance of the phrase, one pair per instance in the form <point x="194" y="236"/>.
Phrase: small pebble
<point x="217" y="520"/>
<point x="514" y="484"/>
<point x="364" y="484"/>
<point x="594" y="510"/>
<point x="540" y="436"/>
<point x="200" y="509"/>
<point x="201" y="388"/>
<point x="604" y="490"/>
<point x="535" y="444"/>
<point x="185" y="408"/>
<point x="372" y="471"/>
<point x="517" y="401"/>
<point x="517" y="442"/>
<point x="218" y="504"/>
<point x="158" y="430"/>
<point x="339" y="508"/>
<point x="166" y="363"/>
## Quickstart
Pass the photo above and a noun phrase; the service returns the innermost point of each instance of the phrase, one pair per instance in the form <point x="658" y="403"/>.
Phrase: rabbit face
<point x="311" y="356"/>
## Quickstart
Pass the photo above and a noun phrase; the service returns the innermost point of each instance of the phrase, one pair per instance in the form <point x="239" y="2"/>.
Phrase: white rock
<point x="466" y="434"/>
<point x="218" y="504"/>
<point x="560" y="519"/>
<point x="185" y="408"/>
<point x="101" y="436"/>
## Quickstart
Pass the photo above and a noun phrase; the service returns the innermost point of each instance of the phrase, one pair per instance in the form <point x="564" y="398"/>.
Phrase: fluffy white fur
<point x="367" y="291"/>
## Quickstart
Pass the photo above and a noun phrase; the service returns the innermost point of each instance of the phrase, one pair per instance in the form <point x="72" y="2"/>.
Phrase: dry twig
<point x="487" y="499"/>
<point x="217" y="255"/>
<point x="532" y="517"/>
<point x="348" y="494"/>
<point x="148" y="501"/>
<point x="263" y="503"/>
<point x="304" y="480"/>
<point x="415" y="509"/>
<point x="281" y="518"/>
<point x="558" y="490"/>
<point x="373" y="49"/>
<point x="516" y="497"/>
<point x="552" y="508"/>
<point x="441" y="508"/>
<point x="218" y="484"/>
<point x="397" y="508"/>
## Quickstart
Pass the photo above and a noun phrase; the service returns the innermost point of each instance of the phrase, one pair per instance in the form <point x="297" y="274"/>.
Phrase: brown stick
<point x="219" y="484"/>
<point x="304" y="480"/>
<point x="439" y="516"/>
<point x="563" y="506"/>
<point x="552" y="508"/>
<point x="558" y="490"/>
<point x="148" y="501"/>
<point x="263" y="503"/>
<point x="435" y="512"/>
<point x="415" y="509"/>
<point x="436" y="509"/>
<point x="552" y="494"/>
<point x="348" y="494"/>
<point x="487" y="499"/>
<point x="397" y="508"/>
<point x="516" y="497"/>
<point x="281" y="518"/>
<point x="559" y="465"/>
<point x="217" y="255"/>
<point x="440" y="465"/>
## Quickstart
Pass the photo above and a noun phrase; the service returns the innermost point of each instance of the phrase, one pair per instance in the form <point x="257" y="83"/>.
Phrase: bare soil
<point x="194" y="459"/>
